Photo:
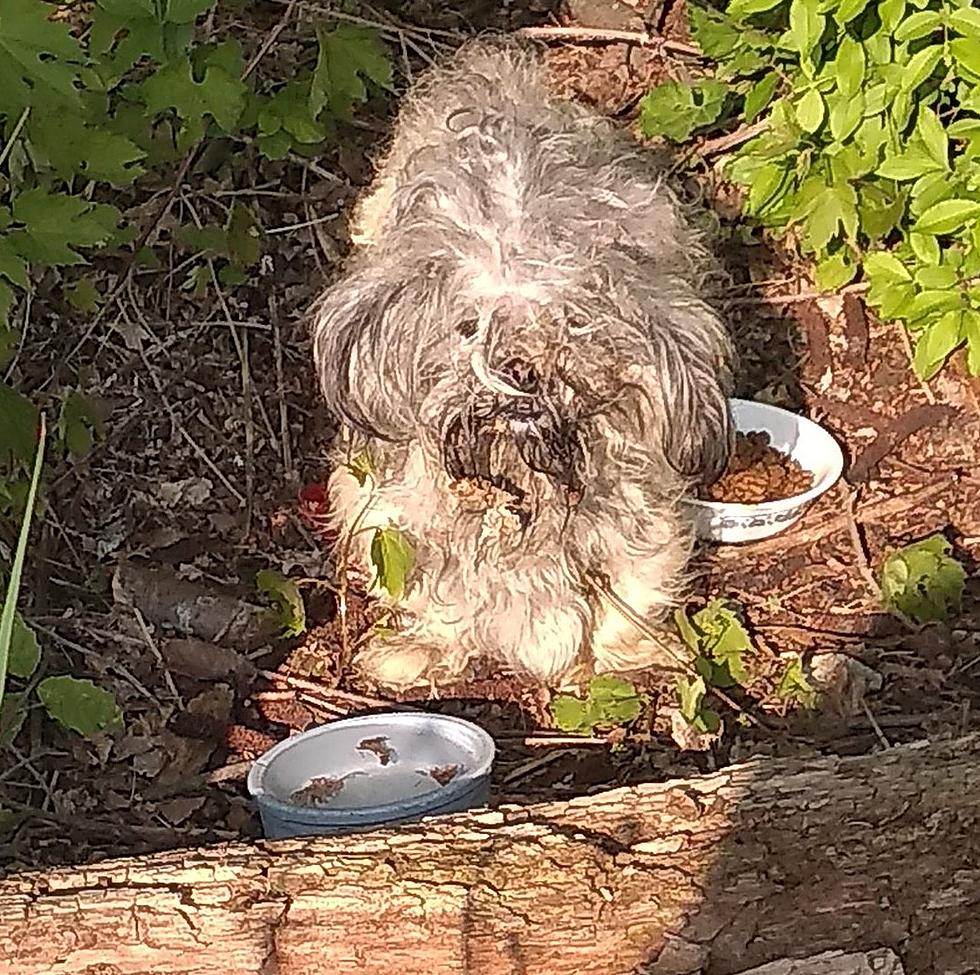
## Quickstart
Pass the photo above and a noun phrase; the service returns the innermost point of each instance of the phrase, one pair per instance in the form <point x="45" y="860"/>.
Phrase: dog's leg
<point x="649" y="586"/>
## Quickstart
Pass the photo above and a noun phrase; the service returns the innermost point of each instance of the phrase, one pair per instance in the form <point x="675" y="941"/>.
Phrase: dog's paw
<point x="396" y="663"/>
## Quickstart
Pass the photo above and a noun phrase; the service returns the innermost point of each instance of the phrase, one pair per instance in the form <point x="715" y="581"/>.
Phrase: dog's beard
<point x="512" y="443"/>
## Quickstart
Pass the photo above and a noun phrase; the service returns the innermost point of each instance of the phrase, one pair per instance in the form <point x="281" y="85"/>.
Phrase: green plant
<point x="691" y="704"/>
<point x="794" y="685"/>
<point x="923" y="581"/>
<point x="290" y="610"/>
<point x="719" y="642"/>
<point x="393" y="558"/>
<point x="87" y="115"/>
<point x="17" y="644"/>
<point x="610" y="702"/>
<point x="867" y="146"/>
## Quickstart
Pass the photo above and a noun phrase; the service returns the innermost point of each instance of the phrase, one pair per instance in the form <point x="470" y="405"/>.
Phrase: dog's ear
<point x="694" y="365"/>
<point x="354" y="355"/>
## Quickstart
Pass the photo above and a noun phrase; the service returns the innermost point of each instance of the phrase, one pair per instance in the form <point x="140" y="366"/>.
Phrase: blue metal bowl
<point x="370" y="772"/>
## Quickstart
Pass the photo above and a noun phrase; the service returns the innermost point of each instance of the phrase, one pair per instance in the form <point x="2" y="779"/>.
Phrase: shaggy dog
<point x="521" y="346"/>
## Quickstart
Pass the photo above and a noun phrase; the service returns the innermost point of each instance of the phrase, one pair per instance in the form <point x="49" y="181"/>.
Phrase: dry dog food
<point x="757" y="472"/>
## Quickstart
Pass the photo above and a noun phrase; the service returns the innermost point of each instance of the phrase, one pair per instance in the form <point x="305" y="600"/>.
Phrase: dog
<point x="528" y="375"/>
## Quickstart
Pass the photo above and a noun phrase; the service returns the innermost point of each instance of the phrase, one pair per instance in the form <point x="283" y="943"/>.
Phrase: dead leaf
<point x="378" y="746"/>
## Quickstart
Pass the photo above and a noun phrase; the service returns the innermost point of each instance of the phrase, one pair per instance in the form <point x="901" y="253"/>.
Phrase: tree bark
<point x="760" y="862"/>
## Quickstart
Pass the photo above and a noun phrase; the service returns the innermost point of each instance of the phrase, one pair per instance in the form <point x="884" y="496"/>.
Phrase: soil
<point x="758" y="472"/>
<point x="210" y="467"/>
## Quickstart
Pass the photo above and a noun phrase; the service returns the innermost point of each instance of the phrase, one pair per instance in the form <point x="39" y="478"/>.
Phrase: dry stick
<point x="284" y="438"/>
<point x="874" y="725"/>
<point x="155" y="650"/>
<point x="857" y="543"/>
<point x="602" y="586"/>
<point x="357" y="699"/>
<point x="600" y="36"/>
<point x="172" y="194"/>
<point x="797" y="297"/>
<point x="711" y="147"/>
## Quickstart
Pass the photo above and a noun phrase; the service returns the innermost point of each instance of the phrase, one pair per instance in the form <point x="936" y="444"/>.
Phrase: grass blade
<point x="13" y="585"/>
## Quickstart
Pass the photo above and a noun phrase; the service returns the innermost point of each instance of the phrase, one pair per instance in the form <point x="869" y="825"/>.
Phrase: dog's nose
<point x="520" y="374"/>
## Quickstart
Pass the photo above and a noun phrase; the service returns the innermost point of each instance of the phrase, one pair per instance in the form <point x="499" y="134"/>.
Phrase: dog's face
<point x="534" y="376"/>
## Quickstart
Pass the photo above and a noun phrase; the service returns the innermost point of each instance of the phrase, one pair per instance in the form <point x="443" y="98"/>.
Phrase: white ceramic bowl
<point x="806" y="442"/>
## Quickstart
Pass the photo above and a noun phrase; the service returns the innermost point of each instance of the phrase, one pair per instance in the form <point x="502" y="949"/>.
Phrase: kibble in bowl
<point x="780" y="464"/>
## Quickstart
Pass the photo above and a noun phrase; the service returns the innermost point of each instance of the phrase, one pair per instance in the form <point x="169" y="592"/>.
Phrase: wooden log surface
<point x="768" y="860"/>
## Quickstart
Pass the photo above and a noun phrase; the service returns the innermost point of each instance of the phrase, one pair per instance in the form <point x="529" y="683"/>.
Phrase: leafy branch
<point x="865" y="124"/>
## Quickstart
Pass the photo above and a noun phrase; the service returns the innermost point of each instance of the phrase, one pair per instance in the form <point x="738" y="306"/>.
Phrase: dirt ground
<point x="211" y="465"/>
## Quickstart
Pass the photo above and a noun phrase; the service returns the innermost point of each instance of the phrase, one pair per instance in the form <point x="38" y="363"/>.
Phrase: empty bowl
<point x="371" y="772"/>
<point x="806" y="442"/>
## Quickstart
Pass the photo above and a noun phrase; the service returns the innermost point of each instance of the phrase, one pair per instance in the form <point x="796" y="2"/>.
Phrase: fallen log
<point x="771" y="860"/>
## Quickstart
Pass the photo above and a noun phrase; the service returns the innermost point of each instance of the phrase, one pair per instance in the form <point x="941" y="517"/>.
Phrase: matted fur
<point x="521" y="343"/>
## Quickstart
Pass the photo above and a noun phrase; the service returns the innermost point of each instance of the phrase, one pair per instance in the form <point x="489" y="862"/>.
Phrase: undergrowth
<point x="101" y="105"/>
<point x="856" y="126"/>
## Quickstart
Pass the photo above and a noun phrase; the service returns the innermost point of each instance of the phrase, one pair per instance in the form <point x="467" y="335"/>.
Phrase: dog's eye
<point x="468" y="328"/>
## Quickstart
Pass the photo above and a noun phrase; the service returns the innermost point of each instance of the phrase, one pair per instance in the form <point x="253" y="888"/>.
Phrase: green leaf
<point x="690" y="696"/>
<point x="713" y="32"/>
<point x="24" y="654"/>
<point x="971" y="334"/>
<point x="54" y="224"/>
<point x="922" y="581"/>
<point x="850" y="66"/>
<point x="759" y="96"/>
<point x="243" y="235"/>
<point x="918" y="25"/>
<point x="290" y="608"/>
<point x="79" y="705"/>
<point x="13" y="713"/>
<point x="925" y="247"/>
<point x="847" y="10"/>
<point x="966" y="21"/>
<point x="810" y="111"/>
<point x="12" y="266"/>
<point x="571" y="715"/>
<point x="921" y="66"/>
<point x="909" y="165"/>
<point x="393" y="558"/>
<point x="39" y="59"/>
<point x="738" y="9"/>
<point x="836" y="208"/>
<point x="349" y="56"/>
<point x="947" y="217"/>
<point x="886" y="267"/>
<point x="77" y="424"/>
<point x="966" y="51"/>
<point x="834" y="272"/>
<point x="846" y="113"/>
<point x="936" y="342"/>
<point x="72" y="146"/>
<point x="933" y="136"/>
<point x="18" y="427"/>
<point x="220" y="94"/>
<point x="891" y="12"/>
<point x="806" y="25"/>
<point x="362" y="467"/>
<point x="716" y="634"/>
<point x="794" y="685"/>
<point x="676" y="110"/>
<point x="83" y="296"/>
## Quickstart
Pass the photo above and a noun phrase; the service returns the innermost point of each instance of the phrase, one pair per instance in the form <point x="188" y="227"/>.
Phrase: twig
<point x="155" y="650"/>
<point x="857" y="543"/>
<point x="362" y="700"/>
<point x="551" y="741"/>
<point x="796" y="298"/>
<point x="270" y="40"/>
<point x="284" y="438"/>
<point x="602" y="586"/>
<point x="601" y="36"/>
<point x="532" y="765"/>
<point x="874" y="725"/>
<point x="903" y="336"/>
<point x="723" y="143"/>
